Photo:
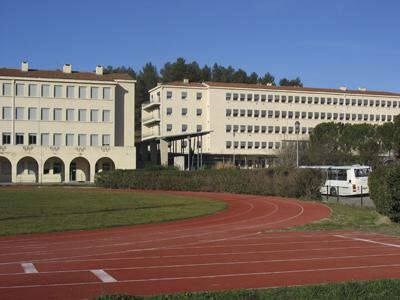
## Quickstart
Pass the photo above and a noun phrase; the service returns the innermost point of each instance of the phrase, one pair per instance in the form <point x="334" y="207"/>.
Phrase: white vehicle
<point x="344" y="180"/>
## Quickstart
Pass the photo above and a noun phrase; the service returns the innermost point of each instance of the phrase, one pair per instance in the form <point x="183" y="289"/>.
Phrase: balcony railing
<point x="150" y="104"/>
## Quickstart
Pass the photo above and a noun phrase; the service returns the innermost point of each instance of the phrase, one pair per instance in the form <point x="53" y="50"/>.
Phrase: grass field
<point x="30" y="210"/>
<point x="378" y="289"/>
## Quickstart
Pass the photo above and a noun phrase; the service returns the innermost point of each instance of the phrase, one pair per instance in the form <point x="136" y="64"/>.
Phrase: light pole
<point x="297" y="131"/>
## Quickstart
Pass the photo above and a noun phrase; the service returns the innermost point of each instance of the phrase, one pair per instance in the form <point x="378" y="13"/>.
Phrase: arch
<point x="53" y="170"/>
<point x="5" y="169"/>
<point x="104" y="164"/>
<point x="79" y="169"/>
<point x="27" y="170"/>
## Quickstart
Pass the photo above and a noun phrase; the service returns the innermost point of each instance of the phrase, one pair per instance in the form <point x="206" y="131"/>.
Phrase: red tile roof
<point x="183" y="84"/>
<point x="61" y="75"/>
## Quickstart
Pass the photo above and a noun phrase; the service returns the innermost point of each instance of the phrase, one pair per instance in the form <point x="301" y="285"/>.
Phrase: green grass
<point x="30" y="210"/>
<point x="378" y="289"/>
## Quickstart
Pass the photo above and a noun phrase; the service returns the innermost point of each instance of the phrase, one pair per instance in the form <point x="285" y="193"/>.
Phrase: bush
<point x="272" y="181"/>
<point x="384" y="189"/>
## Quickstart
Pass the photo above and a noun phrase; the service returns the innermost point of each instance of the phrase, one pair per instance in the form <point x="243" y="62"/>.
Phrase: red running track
<point x="232" y="249"/>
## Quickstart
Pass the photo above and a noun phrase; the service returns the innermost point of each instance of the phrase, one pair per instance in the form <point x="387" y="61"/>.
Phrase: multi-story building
<point x="251" y="121"/>
<point x="62" y="126"/>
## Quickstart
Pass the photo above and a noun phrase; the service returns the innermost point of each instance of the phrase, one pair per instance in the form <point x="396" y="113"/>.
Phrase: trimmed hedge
<point x="272" y="181"/>
<point x="384" y="189"/>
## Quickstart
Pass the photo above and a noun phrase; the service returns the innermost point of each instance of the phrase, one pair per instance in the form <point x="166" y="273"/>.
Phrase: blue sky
<point x="325" y="43"/>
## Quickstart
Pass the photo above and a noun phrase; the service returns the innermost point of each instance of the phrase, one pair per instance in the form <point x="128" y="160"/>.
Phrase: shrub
<point x="384" y="188"/>
<point x="272" y="181"/>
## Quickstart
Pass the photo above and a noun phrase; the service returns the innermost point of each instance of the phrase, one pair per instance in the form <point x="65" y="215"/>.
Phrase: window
<point x="249" y="145"/>
<point x="32" y="90"/>
<point x="365" y="117"/>
<point x="228" y="112"/>
<point x="329" y="115"/>
<point x="94" y="140"/>
<point x="249" y="128"/>
<point x="184" y="95"/>
<point x="371" y="102"/>
<point x="20" y="89"/>
<point x="316" y="115"/>
<point x="322" y="101"/>
<point x="383" y="103"/>
<point x="359" y="102"/>
<point x="70" y="114"/>
<point x="199" y="128"/>
<point x="270" y="98"/>
<point x="249" y="97"/>
<point x="256" y="128"/>
<point x="228" y="96"/>
<point x="184" y="127"/>
<point x="45" y="90"/>
<point x="303" y="130"/>
<point x="283" y="113"/>
<point x="270" y="129"/>
<point x="322" y="116"/>
<point x="242" y="112"/>
<point x="316" y="100"/>
<point x="270" y="113"/>
<point x="69" y="139"/>
<point x="94" y="92"/>
<point x="6" y="89"/>
<point x="6" y="138"/>
<point x="365" y="102"/>
<point x="353" y="117"/>
<point x="228" y="128"/>
<point x="383" y="118"/>
<point x="263" y="113"/>
<point x="94" y="115"/>
<point x="328" y="101"/>
<point x="70" y="91"/>
<point x="106" y="116"/>
<point x="303" y="114"/>
<point x="184" y="111"/>
<point x="371" y="117"/>
<point x="389" y="103"/>
<point x="341" y="101"/>
<point x="242" y="97"/>
<point x="249" y="112"/>
<point x="359" y="117"/>
<point x="228" y="144"/>
<point x="290" y="129"/>
<point x="169" y="127"/>
<point x="81" y="139"/>
<point x="56" y="139"/>
<point x="389" y="118"/>
<point x="283" y="99"/>
<point x="377" y="102"/>
<point x="57" y="114"/>
<point x="200" y="95"/>
<point x="19" y="138"/>
<point x="309" y="100"/>
<point x="335" y="116"/>
<point x="242" y="128"/>
<point x="19" y="113"/>
<point x="263" y="129"/>
<point x="235" y="112"/>
<point x="82" y="92"/>
<point x="82" y="115"/>
<point x="263" y="98"/>
<point x="105" y="140"/>
<point x="45" y="139"/>
<point x="270" y="145"/>
<point x="45" y="115"/>
<point x="57" y="91"/>
<point x="276" y="97"/>
<point x="335" y="101"/>
<point x="169" y="111"/>
<point x="106" y="93"/>
<point x="290" y="99"/>
<point x="199" y="112"/>
<point x="277" y="145"/>
<point x="169" y="95"/>
<point x="263" y="145"/>
<point x="235" y="128"/>
<point x="303" y="99"/>
<point x="310" y="115"/>
<point x="377" y="117"/>
<point x="296" y="114"/>
<point x="242" y="145"/>
<point x="256" y="97"/>
<point x="296" y="99"/>
<point x="277" y="129"/>
<point x="347" y="117"/>
<point x="277" y="113"/>
<point x="394" y="103"/>
<point x="256" y="113"/>
<point x="341" y="116"/>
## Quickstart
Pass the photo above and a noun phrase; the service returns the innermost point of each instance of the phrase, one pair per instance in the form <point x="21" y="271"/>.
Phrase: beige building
<point x="64" y="126"/>
<point x="249" y="122"/>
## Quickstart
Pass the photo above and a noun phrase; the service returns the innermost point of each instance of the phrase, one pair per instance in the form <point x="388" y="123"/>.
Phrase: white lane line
<point x="29" y="268"/>
<point x="368" y="241"/>
<point x="103" y="276"/>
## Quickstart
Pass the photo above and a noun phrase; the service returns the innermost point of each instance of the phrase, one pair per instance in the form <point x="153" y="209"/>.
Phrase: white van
<point x="344" y="180"/>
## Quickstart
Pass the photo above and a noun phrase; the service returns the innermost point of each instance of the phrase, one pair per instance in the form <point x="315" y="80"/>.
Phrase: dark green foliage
<point x="279" y="182"/>
<point x="294" y="82"/>
<point x="384" y="186"/>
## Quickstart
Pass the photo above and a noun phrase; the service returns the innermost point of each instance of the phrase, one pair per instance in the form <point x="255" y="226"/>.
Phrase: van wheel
<point x="333" y="192"/>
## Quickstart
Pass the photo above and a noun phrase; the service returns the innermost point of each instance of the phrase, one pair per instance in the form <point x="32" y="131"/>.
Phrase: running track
<point x="232" y="249"/>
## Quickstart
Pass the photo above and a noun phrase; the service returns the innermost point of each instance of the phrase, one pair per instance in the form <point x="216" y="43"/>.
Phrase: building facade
<point x="64" y="126"/>
<point x="250" y="122"/>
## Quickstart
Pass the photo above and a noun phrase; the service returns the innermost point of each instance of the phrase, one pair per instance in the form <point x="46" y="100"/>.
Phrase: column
<point x="164" y="152"/>
<point x="92" y="171"/>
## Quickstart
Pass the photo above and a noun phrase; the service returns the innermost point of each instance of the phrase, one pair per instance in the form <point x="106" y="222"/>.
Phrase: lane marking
<point x="103" y="276"/>
<point x="368" y="241"/>
<point x="29" y="268"/>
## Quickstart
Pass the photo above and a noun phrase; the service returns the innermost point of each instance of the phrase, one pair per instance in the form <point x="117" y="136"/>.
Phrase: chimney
<point x="24" y="66"/>
<point x="67" y="68"/>
<point x="185" y="80"/>
<point x="343" y="88"/>
<point x="99" y="70"/>
<point x="362" y="89"/>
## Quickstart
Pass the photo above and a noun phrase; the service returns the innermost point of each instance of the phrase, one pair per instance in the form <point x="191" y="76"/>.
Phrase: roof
<point x="57" y="74"/>
<point x="277" y="88"/>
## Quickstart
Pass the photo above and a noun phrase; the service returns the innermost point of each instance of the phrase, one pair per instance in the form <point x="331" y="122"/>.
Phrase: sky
<point x="325" y="43"/>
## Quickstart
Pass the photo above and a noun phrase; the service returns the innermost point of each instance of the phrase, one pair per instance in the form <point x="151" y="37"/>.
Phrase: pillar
<point x="164" y="152"/>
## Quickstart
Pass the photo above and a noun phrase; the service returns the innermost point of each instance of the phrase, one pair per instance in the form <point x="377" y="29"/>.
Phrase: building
<point x="64" y="126"/>
<point x="248" y="123"/>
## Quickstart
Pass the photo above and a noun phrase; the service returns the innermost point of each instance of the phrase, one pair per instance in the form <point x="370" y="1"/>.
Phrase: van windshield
<point x="361" y="172"/>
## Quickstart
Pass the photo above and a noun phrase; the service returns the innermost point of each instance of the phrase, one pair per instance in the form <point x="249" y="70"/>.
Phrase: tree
<point x="294" y="82"/>
<point x="267" y="79"/>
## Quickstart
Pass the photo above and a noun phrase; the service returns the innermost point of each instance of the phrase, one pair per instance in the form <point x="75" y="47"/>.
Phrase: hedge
<point x="384" y="189"/>
<point x="272" y="181"/>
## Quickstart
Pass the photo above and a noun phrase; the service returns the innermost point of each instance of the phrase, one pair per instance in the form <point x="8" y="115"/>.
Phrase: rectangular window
<point x="57" y="139"/>
<point x="105" y="140"/>
<point x="70" y="114"/>
<point x="44" y="139"/>
<point x="106" y="116"/>
<point x="303" y="99"/>
<point x="277" y="113"/>
<point x="6" y="89"/>
<point x="249" y="112"/>
<point x="184" y="95"/>
<point x="249" y="97"/>
<point x="228" y="96"/>
<point x="32" y="90"/>
<point x="45" y="114"/>
<point x="199" y="96"/>
<point x="82" y="115"/>
<point x="19" y="113"/>
<point x="290" y="114"/>
<point x="328" y="101"/>
<point x="81" y="139"/>
<point x="242" y="128"/>
<point x="335" y="101"/>
<point x="6" y="138"/>
<point x="263" y="129"/>
<point x="228" y="112"/>
<point x="32" y="115"/>
<point x="242" y="97"/>
<point x="270" y="98"/>
<point x="242" y="112"/>
<point x="256" y="128"/>
<point x="256" y="113"/>
<point x="57" y="114"/>
<point x="70" y="91"/>
<point x="169" y="95"/>
<point x="256" y="97"/>
<point x="235" y="97"/>
<point x="249" y="128"/>
<point x="263" y="113"/>
<point x="228" y="144"/>
<point x="169" y="111"/>
<point x="94" y="115"/>
<point x="20" y="89"/>
<point x="228" y="128"/>
<point x="106" y="93"/>
<point x="169" y="127"/>
<point x="316" y="100"/>
<point x="94" y="92"/>
<point x="94" y="140"/>
<point x="198" y="112"/>
<point x="235" y="128"/>
<point x="184" y="127"/>
<point x="263" y="98"/>
<point x="82" y="92"/>
<point x="235" y="112"/>
<point x="184" y="111"/>
<point x="57" y="91"/>
<point x="249" y="145"/>
<point x="19" y="138"/>
<point x="283" y="113"/>
<point x="69" y="139"/>
<point x="309" y="100"/>
<point x="45" y="90"/>
<point x="199" y="128"/>
<point x="277" y="97"/>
